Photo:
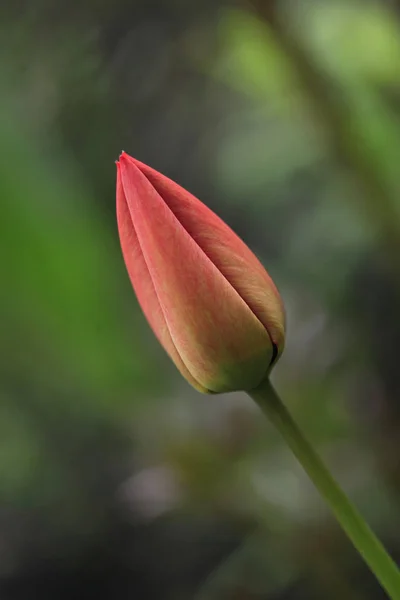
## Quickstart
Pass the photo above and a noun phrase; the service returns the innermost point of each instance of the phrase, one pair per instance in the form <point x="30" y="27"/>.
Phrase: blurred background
<point x="117" y="480"/>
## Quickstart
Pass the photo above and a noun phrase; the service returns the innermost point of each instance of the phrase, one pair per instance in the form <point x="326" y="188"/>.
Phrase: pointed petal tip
<point x="124" y="156"/>
<point x="126" y="160"/>
<point x="123" y="159"/>
<point x="119" y="157"/>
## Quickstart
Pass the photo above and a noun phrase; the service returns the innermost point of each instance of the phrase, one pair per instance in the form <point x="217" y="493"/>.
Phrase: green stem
<point x="347" y="515"/>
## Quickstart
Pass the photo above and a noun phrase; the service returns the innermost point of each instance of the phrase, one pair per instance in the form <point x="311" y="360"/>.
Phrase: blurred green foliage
<point x="116" y="479"/>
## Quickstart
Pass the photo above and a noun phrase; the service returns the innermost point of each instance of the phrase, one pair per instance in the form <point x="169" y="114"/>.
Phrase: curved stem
<point x="345" y="512"/>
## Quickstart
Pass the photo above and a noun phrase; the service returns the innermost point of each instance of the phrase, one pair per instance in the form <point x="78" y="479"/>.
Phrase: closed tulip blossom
<point x="207" y="297"/>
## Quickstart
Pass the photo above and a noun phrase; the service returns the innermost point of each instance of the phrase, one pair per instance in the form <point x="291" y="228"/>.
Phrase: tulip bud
<point x="206" y="296"/>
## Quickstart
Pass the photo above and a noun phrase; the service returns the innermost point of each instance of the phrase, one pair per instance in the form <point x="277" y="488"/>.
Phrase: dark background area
<point x="117" y="480"/>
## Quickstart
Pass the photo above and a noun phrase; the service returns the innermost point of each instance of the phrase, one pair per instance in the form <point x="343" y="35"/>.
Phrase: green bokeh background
<point x="117" y="480"/>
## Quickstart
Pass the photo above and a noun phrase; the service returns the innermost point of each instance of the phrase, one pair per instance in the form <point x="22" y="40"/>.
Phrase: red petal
<point x="142" y="283"/>
<point x="211" y="327"/>
<point x="225" y="249"/>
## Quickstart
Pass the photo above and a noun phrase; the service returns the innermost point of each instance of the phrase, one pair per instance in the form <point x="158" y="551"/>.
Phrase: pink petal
<point x="225" y="249"/>
<point x="142" y="283"/>
<point x="211" y="327"/>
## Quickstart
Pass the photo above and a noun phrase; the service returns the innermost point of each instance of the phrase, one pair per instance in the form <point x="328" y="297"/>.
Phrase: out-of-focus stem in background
<point x="335" y="115"/>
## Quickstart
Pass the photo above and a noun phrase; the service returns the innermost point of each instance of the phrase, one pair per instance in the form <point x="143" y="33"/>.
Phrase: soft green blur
<point x="117" y="480"/>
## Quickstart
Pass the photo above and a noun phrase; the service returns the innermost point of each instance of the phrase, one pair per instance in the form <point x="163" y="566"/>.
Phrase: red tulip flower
<point x="208" y="299"/>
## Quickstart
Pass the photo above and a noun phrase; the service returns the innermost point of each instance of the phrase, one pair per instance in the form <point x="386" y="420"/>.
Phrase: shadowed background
<point x="117" y="480"/>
